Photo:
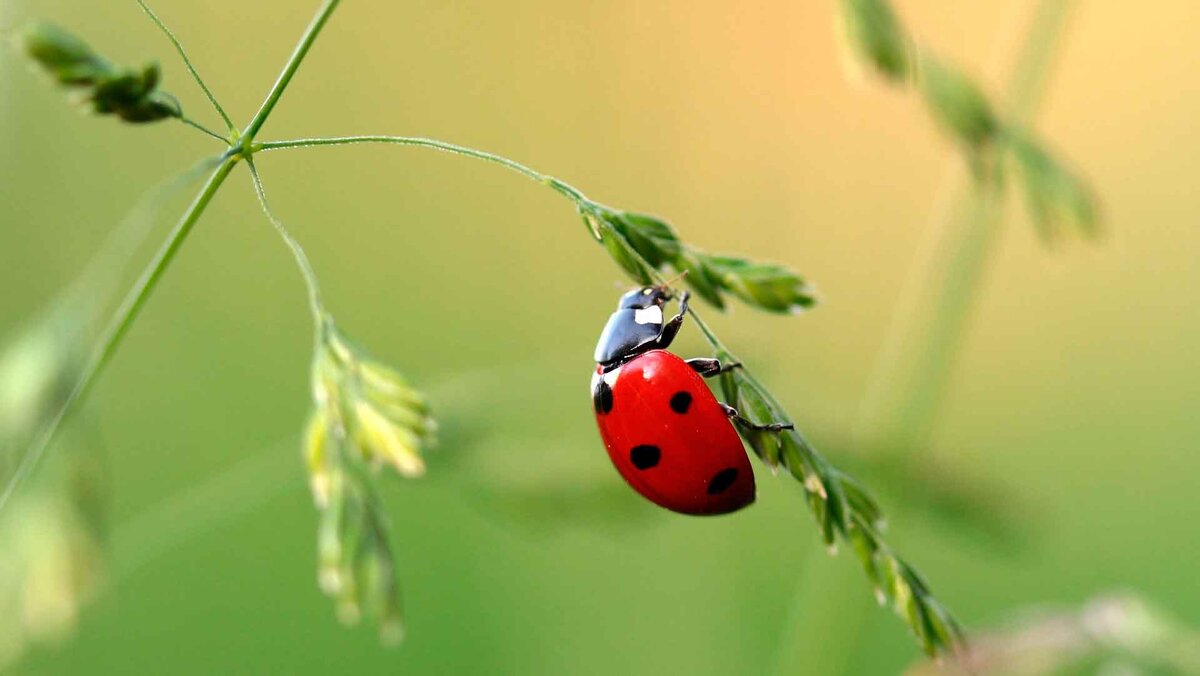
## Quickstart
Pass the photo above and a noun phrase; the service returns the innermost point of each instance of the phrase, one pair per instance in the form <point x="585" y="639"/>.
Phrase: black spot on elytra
<point x="644" y="456"/>
<point x="680" y="401"/>
<point x="602" y="397"/>
<point x="722" y="480"/>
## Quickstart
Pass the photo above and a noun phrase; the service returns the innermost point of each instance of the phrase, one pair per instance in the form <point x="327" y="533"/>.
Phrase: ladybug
<point x="665" y="432"/>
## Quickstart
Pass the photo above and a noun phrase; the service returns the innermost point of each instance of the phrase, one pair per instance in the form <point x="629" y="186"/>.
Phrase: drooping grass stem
<point x="563" y="188"/>
<point x="574" y="194"/>
<point x="306" y="271"/>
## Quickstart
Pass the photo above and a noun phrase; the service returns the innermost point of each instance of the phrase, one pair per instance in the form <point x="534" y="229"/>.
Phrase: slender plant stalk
<point x="912" y="368"/>
<point x="1028" y="83"/>
<point x="136" y="299"/>
<point x="310" y="278"/>
<point x="572" y="193"/>
<point x="919" y="352"/>
<point x="122" y="320"/>
<point x="289" y="70"/>
<point x="191" y="69"/>
<point x="103" y="273"/>
<point x="563" y="188"/>
<point x="922" y="346"/>
<point x="196" y="125"/>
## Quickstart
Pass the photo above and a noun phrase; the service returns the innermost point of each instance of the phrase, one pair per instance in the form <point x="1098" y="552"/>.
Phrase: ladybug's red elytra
<point x="665" y="432"/>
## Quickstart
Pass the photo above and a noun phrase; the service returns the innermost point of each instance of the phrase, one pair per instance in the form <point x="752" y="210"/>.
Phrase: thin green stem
<point x="306" y="270"/>
<point x="142" y="289"/>
<point x="93" y="288"/>
<point x="97" y="283"/>
<point x="917" y="356"/>
<point x="188" y="64"/>
<point x="908" y="382"/>
<point x="289" y="70"/>
<point x="192" y="123"/>
<point x="122" y="320"/>
<point x="706" y="331"/>
<point x="912" y="367"/>
<point x="1028" y="82"/>
<point x="575" y="195"/>
<point x="565" y="189"/>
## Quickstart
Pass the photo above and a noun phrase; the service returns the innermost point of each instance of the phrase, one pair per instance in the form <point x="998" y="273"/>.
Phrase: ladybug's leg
<point x="670" y="328"/>
<point x="711" y="367"/>
<point x="770" y="427"/>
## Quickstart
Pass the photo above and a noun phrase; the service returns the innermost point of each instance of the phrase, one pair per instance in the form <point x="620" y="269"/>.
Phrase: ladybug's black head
<point x="647" y="296"/>
<point x="636" y="327"/>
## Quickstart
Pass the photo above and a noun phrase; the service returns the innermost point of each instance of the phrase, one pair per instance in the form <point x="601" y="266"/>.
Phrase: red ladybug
<point x="665" y="432"/>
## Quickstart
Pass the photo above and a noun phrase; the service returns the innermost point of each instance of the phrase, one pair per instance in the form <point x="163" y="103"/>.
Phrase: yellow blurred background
<point x="522" y="552"/>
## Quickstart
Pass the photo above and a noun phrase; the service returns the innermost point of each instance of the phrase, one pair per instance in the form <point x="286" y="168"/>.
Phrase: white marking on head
<point x="611" y="376"/>
<point x="650" y="315"/>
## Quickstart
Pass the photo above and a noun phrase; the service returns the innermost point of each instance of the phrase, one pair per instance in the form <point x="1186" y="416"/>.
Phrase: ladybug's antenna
<point x="668" y="282"/>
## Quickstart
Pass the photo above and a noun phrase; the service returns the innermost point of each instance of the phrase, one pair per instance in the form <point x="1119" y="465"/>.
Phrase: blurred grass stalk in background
<point x="922" y="344"/>
<point x="53" y="536"/>
<point x="1111" y="634"/>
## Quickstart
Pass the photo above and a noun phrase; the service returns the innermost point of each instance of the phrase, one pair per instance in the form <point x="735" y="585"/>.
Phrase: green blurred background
<point x="522" y="551"/>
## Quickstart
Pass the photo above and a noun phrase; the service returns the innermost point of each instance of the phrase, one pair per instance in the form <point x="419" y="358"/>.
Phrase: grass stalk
<point x="289" y="70"/>
<point x="923" y="343"/>
<point x="316" y="305"/>
<point x="432" y="144"/>
<point x="135" y="300"/>
<point x="122" y="320"/>
<point x="920" y="348"/>
<point x="187" y="62"/>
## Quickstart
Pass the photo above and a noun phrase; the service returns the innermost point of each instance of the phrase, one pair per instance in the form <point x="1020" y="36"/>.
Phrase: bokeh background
<point x="522" y="551"/>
